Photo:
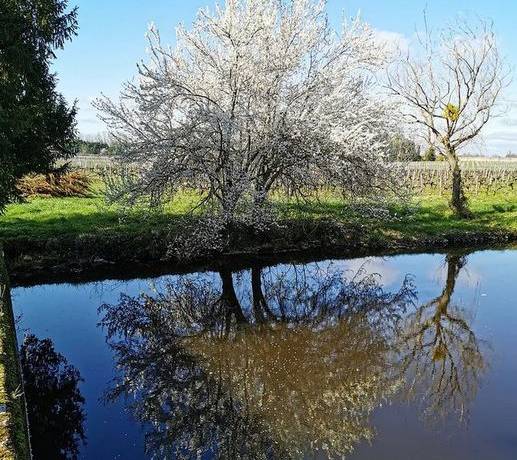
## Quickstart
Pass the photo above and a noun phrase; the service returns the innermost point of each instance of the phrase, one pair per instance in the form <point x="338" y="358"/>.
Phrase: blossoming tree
<point x="258" y="94"/>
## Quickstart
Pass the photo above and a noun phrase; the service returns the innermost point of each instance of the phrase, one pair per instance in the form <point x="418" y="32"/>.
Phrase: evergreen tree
<point x="430" y="154"/>
<point x="403" y="149"/>
<point x="37" y="126"/>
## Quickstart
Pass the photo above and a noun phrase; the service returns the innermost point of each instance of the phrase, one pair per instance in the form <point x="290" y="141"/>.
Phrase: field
<point x="479" y="175"/>
<point x="490" y="186"/>
<point x="427" y="213"/>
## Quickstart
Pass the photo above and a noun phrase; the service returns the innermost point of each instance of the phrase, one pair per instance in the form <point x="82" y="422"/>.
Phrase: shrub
<point x="66" y="184"/>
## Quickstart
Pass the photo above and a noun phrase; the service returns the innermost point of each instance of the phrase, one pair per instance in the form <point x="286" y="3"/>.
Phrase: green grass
<point x="42" y="218"/>
<point x="432" y="215"/>
<point x="425" y="214"/>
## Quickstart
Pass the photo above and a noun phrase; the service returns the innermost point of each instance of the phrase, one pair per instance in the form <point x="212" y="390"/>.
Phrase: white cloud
<point x="393" y="41"/>
<point x="500" y="135"/>
<point x="509" y="122"/>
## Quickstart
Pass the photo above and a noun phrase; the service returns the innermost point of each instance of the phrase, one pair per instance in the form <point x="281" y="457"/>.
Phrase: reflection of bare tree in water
<point x="441" y="354"/>
<point x="298" y="371"/>
<point x="54" y="402"/>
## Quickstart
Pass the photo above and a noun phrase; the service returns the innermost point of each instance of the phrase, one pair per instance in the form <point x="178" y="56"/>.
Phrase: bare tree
<point x="258" y="94"/>
<point x="441" y="355"/>
<point x="450" y="86"/>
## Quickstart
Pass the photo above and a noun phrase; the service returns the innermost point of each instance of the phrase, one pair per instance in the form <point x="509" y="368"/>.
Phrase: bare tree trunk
<point x="260" y="306"/>
<point x="458" y="201"/>
<point x="259" y="301"/>
<point x="454" y="263"/>
<point x="230" y="301"/>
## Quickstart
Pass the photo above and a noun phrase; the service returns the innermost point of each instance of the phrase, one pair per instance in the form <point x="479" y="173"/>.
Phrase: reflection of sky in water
<point x="384" y="267"/>
<point x="468" y="277"/>
<point x="485" y="288"/>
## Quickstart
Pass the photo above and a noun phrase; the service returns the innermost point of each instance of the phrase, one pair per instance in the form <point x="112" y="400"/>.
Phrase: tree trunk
<point x="260" y="306"/>
<point x="454" y="263"/>
<point x="458" y="201"/>
<point x="230" y="301"/>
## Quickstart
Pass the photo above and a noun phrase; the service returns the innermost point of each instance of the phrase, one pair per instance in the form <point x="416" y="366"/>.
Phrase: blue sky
<point x="111" y="41"/>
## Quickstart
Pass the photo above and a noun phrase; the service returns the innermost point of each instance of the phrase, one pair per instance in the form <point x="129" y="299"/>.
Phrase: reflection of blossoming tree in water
<point x="441" y="354"/>
<point x="293" y="365"/>
<point x="299" y="370"/>
<point x="54" y="401"/>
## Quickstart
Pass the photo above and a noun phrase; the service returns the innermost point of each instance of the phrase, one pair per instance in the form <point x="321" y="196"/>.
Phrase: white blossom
<point x="257" y="95"/>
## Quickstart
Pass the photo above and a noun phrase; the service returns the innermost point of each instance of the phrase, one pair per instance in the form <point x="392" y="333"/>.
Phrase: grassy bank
<point x="42" y="218"/>
<point x="14" y="442"/>
<point x="47" y="232"/>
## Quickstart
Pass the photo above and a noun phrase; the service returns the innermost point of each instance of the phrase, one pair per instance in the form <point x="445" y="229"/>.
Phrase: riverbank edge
<point x="94" y="256"/>
<point x="14" y="431"/>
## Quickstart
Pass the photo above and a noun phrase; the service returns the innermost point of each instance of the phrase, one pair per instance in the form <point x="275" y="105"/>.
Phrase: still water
<point x="402" y="357"/>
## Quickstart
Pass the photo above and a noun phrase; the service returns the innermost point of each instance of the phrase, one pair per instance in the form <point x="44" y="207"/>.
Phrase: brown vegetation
<point x="66" y="184"/>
